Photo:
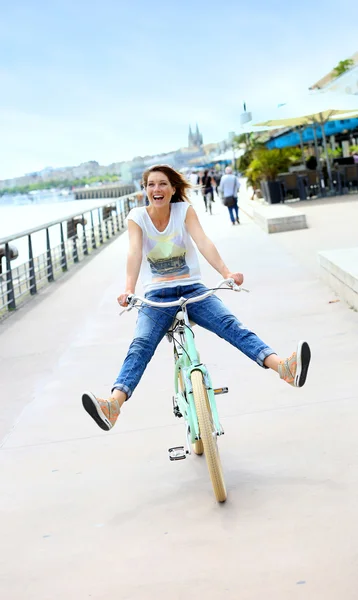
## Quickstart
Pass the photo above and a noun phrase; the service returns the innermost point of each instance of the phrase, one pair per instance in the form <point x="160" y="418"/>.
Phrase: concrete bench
<point x="339" y="268"/>
<point x="274" y="218"/>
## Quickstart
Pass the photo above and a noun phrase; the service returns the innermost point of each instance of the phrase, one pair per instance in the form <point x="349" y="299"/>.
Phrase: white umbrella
<point x="257" y="128"/>
<point x="316" y="108"/>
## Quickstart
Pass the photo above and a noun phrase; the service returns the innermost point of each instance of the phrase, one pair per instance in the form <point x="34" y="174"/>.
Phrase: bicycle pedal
<point x="177" y="453"/>
<point x="222" y="390"/>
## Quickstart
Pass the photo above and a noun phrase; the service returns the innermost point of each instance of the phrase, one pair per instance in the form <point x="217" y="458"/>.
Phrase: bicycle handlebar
<point x="133" y="299"/>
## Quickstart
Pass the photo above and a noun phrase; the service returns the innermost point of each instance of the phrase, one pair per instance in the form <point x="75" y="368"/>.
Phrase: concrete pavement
<point x="90" y="514"/>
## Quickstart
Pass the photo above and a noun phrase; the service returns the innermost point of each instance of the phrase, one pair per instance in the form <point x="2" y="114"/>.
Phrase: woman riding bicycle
<point x="161" y="246"/>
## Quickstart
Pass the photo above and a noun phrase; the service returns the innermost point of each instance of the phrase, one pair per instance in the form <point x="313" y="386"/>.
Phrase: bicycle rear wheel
<point x="208" y="436"/>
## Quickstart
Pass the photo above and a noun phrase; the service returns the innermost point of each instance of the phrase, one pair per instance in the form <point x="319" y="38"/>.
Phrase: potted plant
<point x="264" y="169"/>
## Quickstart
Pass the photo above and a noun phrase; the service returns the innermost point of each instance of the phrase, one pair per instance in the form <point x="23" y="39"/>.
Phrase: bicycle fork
<point x="186" y="361"/>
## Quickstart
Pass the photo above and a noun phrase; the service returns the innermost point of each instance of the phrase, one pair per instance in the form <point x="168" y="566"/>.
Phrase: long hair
<point x="177" y="180"/>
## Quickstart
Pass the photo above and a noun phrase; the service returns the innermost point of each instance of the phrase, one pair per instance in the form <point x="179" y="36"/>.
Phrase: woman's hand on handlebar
<point x="237" y="277"/>
<point x="123" y="298"/>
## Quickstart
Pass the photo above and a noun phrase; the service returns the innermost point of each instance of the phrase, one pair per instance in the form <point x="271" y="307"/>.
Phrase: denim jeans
<point x="231" y="210"/>
<point x="153" y="323"/>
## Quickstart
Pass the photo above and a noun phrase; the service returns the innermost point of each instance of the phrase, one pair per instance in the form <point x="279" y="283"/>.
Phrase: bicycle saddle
<point x="179" y="317"/>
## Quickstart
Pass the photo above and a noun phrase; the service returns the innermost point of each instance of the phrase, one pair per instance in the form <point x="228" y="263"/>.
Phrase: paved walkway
<point x="332" y="224"/>
<point x="88" y="514"/>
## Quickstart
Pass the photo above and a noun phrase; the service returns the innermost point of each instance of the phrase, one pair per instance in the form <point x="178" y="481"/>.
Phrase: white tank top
<point x="169" y="257"/>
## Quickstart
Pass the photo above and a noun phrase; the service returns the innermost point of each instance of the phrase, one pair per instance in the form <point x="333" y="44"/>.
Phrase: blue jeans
<point x="153" y="323"/>
<point x="231" y="210"/>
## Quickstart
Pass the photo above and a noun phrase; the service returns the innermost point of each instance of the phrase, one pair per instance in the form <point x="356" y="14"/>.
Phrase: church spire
<point x="190" y="138"/>
<point x="195" y="139"/>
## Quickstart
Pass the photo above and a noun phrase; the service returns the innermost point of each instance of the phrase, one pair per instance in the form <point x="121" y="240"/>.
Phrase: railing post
<point x="9" y="282"/>
<point x="63" y="250"/>
<point x="49" y="257"/>
<point x="32" y="278"/>
<point x="93" y="237"/>
<point x="84" y="239"/>
<point x="112" y="223"/>
<point x="117" y="219"/>
<point x="106" y="228"/>
<point x="100" y="227"/>
<point x="121" y="213"/>
<point x="74" y="249"/>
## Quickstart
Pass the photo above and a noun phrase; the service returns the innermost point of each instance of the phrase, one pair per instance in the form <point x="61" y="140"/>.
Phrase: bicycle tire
<point x="209" y="440"/>
<point x="197" y="446"/>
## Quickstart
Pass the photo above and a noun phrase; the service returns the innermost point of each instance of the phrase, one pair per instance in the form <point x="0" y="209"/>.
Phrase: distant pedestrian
<point x="217" y="178"/>
<point x="194" y="180"/>
<point x="229" y="188"/>
<point x="207" y="186"/>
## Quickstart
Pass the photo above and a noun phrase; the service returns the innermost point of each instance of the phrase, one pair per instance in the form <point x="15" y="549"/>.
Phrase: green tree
<point x="343" y="66"/>
<point x="251" y="144"/>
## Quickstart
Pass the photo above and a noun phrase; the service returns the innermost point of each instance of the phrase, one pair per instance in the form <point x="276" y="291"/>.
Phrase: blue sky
<point x="109" y="80"/>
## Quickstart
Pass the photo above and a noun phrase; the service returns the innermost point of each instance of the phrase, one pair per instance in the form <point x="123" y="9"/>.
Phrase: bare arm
<point x="207" y="248"/>
<point x="134" y="259"/>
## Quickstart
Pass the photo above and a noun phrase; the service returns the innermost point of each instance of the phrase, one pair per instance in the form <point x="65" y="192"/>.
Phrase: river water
<point x="20" y="213"/>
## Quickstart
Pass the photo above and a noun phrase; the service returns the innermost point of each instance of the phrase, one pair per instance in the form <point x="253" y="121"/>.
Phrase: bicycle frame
<point x="187" y="360"/>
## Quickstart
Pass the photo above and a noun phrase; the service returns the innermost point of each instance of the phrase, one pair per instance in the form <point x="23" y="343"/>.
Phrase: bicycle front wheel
<point x="208" y="436"/>
<point x="198" y="447"/>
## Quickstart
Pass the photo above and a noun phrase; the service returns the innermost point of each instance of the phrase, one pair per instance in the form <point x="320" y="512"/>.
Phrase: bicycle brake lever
<point x="240" y="289"/>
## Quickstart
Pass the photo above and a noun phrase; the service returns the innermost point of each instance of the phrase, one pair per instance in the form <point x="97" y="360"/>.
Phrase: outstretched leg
<point x="151" y="327"/>
<point x="213" y="315"/>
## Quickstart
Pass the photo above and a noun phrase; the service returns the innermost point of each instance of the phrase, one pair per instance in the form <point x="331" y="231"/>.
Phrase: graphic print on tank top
<point x="166" y="257"/>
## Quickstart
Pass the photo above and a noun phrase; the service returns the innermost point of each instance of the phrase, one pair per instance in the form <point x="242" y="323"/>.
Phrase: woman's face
<point x="159" y="189"/>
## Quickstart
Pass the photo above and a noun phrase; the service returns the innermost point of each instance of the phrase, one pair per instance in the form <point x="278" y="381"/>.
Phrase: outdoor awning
<point x="227" y="156"/>
<point x="256" y="129"/>
<point x="314" y="107"/>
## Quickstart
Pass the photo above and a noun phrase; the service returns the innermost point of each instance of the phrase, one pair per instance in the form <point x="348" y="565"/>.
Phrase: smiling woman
<point x="166" y="175"/>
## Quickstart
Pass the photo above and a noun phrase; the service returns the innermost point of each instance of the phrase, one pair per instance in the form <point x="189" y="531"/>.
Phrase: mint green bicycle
<point x="194" y="398"/>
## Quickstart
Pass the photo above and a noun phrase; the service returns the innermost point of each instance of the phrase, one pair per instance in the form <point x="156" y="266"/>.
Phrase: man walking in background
<point x="229" y="188"/>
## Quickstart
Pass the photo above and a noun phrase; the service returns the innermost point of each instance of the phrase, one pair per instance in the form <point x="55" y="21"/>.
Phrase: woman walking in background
<point x="208" y="184"/>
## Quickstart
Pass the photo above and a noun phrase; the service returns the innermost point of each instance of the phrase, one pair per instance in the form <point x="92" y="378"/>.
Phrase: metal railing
<point x="61" y="248"/>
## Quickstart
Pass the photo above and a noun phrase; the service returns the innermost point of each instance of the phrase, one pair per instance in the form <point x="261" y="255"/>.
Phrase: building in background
<point x="195" y="140"/>
<point x="347" y="83"/>
<point x="342" y="133"/>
